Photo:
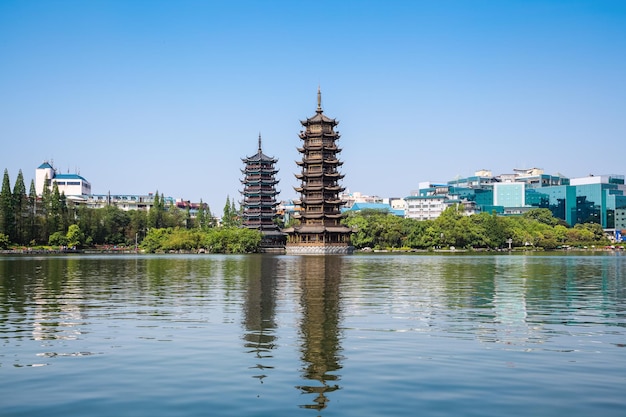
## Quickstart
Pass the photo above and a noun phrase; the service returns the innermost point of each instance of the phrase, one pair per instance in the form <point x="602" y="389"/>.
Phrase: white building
<point x="69" y="184"/>
<point x="425" y="207"/>
<point x="357" y="197"/>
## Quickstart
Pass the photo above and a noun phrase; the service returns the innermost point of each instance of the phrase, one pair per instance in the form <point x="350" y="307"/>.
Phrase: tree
<point x="201" y="216"/>
<point x="542" y="215"/>
<point x="4" y="241"/>
<point x="32" y="212"/>
<point x="156" y="213"/>
<point x="448" y="223"/>
<point x="7" y="218"/>
<point x="74" y="236"/>
<point x="229" y="215"/>
<point x="55" y="210"/>
<point x="57" y="239"/>
<point x="136" y="230"/>
<point x="46" y="201"/>
<point x="115" y="222"/>
<point x="20" y="210"/>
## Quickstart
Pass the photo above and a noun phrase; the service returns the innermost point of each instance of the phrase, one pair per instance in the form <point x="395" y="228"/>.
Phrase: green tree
<point x="228" y="215"/>
<point x="417" y="236"/>
<point x="202" y="217"/>
<point x="57" y="239"/>
<point x="137" y="227"/>
<point x="156" y="213"/>
<point x="592" y="232"/>
<point x="542" y="215"/>
<point x="55" y="210"/>
<point x="32" y="213"/>
<point x="7" y="218"/>
<point x="115" y="222"/>
<point x="44" y="211"/>
<point x="450" y="231"/>
<point x="20" y="210"/>
<point x="74" y="236"/>
<point x="4" y="241"/>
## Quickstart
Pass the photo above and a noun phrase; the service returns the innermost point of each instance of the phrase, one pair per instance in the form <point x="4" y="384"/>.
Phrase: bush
<point x="4" y="241"/>
<point x="57" y="239"/>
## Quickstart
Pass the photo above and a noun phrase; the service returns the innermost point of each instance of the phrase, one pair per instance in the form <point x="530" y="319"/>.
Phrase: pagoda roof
<point x="259" y="156"/>
<point x="319" y="117"/>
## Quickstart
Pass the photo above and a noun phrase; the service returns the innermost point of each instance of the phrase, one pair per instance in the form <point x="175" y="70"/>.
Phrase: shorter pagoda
<point x="259" y="199"/>
<point x="320" y="230"/>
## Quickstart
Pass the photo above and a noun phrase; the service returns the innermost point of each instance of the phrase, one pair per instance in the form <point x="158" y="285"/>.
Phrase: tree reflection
<point x="259" y="311"/>
<point x="319" y="286"/>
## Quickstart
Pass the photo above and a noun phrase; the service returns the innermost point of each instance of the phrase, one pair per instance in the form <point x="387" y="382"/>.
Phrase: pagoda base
<point x="318" y="249"/>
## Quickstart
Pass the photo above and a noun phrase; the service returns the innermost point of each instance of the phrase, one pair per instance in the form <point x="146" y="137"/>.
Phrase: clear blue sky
<point x="169" y="95"/>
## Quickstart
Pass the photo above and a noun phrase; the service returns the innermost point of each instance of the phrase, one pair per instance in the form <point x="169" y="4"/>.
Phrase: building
<point x="320" y="230"/>
<point x="126" y="202"/>
<point x="382" y="207"/>
<point x="69" y="184"/>
<point x="430" y="200"/>
<point x="357" y="197"/>
<point x="596" y="199"/>
<point x="259" y="198"/>
<point x="78" y="190"/>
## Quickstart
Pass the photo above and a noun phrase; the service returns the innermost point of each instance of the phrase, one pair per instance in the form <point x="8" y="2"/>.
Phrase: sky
<point x="168" y="96"/>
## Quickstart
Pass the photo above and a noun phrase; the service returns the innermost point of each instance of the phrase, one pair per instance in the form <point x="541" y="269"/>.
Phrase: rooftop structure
<point x="69" y="184"/>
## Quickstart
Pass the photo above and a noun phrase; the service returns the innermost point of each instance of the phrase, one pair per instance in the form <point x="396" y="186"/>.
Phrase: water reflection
<point x="320" y="278"/>
<point x="259" y="312"/>
<point x="211" y="329"/>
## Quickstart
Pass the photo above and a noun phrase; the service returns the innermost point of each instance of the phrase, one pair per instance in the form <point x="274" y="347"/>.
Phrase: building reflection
<point x="259" y="312"/>
<point x="319" y="328"/>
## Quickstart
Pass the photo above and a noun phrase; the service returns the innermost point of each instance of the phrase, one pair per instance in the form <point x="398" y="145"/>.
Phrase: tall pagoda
<point x="320" y="230"/>
<point x="259" y="198"/>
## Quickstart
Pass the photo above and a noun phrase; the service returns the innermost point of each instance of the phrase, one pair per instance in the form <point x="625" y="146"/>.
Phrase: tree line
<point x="52" y="219"/>
<point x="537" y="228"/>
<point x="28" y="220"/>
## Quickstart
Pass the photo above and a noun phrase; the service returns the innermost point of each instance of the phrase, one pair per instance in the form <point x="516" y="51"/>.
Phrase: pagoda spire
<point x="319" y="100"/>
<point x="259" y="141"/>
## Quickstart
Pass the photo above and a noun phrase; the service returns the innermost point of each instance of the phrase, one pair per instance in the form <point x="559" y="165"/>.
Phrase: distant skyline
<point x="142" y="96"/>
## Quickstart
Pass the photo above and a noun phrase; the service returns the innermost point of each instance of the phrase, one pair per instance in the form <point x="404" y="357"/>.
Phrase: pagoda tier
<point x="259" y="198"/>
<point x="320" y="230"/>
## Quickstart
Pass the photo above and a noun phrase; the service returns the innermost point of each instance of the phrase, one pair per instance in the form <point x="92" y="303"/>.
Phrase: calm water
<point x="361" y="335"/>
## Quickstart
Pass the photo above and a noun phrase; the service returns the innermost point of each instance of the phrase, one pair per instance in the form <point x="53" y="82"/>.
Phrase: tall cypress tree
<point x="7" y="218"/>
<point x="20" y="209"/>
<point x="32" y="212"/>
<point x="201" y="219"/>
<point x="227" y="215"/>
<point x="155" y="214"/>
<point x="55" y="214"/>
<point x="44" y="210"/>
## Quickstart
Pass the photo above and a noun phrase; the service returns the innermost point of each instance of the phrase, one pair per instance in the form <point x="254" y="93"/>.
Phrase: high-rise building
<point x="259" y="198"/>
<point x="320" y="230"/>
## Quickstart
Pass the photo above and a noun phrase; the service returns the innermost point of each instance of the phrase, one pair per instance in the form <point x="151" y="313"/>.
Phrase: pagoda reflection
<point x="319" y="327"/>
<point x="259" y="312"/>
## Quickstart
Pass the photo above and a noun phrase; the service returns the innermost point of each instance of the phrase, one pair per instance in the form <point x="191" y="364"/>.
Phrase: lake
<point x="277" y="335"/>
